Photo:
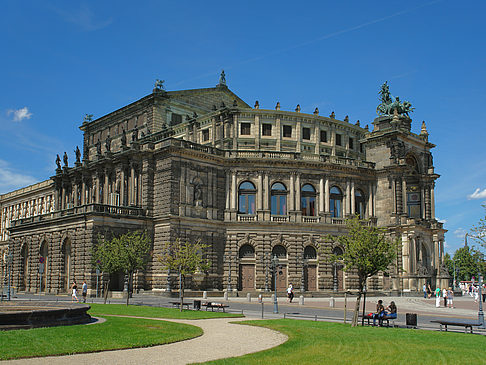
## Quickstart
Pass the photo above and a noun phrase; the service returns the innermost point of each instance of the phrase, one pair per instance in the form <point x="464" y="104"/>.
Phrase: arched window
<point x="66" y="264"/>
<point x="308" y="200"/>
<point x="359" y="203"/>
<point x="336" y="202"/>
<point x="246" y="251"/>
<point x="44" y="253"/>
<point x="24" y="265"/>
<point x="337" y="251"/>
<point x="310" y="253"/>
<point x="279" y="251"/>
<point x="246" y="198"/>
<point x="279" y="199"/>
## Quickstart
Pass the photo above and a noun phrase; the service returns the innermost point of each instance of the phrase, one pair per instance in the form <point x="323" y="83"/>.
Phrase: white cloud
<point x="460" y="233"/>
<point x="478" y="194"/>
<point x="84" y="18"/>
<point x="20" y="114"/>
<point x="11" y="180"/>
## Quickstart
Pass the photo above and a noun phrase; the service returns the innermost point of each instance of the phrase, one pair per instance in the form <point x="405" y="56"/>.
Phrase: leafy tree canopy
<point x="468" y="263"/>
<point x="478" y="232"/>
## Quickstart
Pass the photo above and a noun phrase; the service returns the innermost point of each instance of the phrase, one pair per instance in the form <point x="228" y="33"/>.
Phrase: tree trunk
<point x="107" y="285"/>
<point x="354" y="322"/>
<point x="182" y="292"/>
<point x="128" y="286"/>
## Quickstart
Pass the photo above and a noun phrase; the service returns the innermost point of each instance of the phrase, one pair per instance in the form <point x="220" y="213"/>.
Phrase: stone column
<point x="297" y="193"/>
<point x="347" y="199"/>
<point x="278" y="133"/>
<point x="122" y="187"/>
<point x="422" y="201"/>
<point x="83" y="192"/>
<point x="398" y="195"/>
<point x="404" y="197"/>
<point x="427" y="203"/>
<point x="235" y="132"/>
<point x="321" y="196"/>
<point x="436" y="242"/>
<point x="326" y="196"/>
<point x="63" y="197"/>
<point x="432" y="202"/>
<point x="260" y="191"/>
<point x="317" y="139"/>
<point x="131" y="189"/>
<point x="292" y="193"/>
<point x="298" y="136"/>
<point x="370" y="200"/>
<point x="106" y="190"/>
<point x="266" y="192"/>
<point x="213" y="131"/>
<point x="234" y="191"/>
<point x="353" y="199"/>
<point x="227" y="190"/>
<point x="257" y="132"/>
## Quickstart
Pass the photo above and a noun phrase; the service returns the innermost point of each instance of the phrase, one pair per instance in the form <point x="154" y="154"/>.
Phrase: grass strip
<point x="336" y="343"/>
<point x="115" y="333"/>
<point x="155" y="312"/>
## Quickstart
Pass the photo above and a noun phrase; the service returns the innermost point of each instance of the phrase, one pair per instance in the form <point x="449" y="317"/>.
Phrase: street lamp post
<point x="480" y="312"/>
<point x="275" y="273"/>
<point x="9" y="262"/>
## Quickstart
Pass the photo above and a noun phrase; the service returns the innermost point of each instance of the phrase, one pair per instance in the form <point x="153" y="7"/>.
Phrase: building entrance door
<point x="281" y="278"/>
<point x="247" y="277"/>
<point x="311" y="277"/>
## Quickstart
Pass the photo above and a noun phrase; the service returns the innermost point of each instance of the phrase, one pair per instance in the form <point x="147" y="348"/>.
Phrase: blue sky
<point x="61" y="60"/>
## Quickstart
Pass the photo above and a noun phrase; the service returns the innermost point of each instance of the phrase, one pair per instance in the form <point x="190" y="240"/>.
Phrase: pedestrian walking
<point x="74" y="295"/>
<point x="84" y="291"/>
<point x="450" y="298"/>
<point x="290" y="293"/>
<point x="424" y="288"/>
<point x="444" y="294"/>
<point x="437" y="297"/>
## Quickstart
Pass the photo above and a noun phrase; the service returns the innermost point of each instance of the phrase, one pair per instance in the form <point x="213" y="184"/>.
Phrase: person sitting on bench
<point x="391" y="311"/>
<point x="380" y="312"/>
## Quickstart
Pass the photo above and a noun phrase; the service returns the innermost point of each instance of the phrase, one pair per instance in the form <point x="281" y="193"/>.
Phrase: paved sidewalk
<point x="221" y="339"/>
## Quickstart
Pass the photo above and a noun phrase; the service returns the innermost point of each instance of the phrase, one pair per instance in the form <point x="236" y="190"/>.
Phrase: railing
<point x="307" y="219"/>
<point x="338" y="221"/>
<point x="280" y="218"/>
<point x="167" y="141"/>
<point x="247" y="218"/>
<point x="82" y="209"/>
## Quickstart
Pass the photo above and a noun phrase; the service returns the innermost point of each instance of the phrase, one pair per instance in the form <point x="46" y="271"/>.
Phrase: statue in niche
<point x="77" y="152"/>
<point x="135" y="134"/>
<point x="65" y="159"/>
<point x="198" y="195"/>
<point x="58" y="161"/>
<point x="108" y="143"/>
<point x="124" y="138"/>
<point x="98" y="147"/>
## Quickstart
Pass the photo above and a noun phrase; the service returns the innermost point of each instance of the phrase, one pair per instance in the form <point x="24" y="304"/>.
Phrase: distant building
<point x="251" y="183"/>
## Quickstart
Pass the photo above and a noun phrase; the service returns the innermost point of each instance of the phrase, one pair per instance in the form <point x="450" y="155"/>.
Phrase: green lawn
<point x="154" y="312"/>
<point x="115" y="333"/>
<point x="335" y="343"/>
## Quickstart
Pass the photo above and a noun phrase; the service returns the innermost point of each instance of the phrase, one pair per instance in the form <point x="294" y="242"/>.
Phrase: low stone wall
<point x="24" y="315"/>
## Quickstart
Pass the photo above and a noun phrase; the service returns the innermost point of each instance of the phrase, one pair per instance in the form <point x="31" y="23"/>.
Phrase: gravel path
<point x="221" y="339"/>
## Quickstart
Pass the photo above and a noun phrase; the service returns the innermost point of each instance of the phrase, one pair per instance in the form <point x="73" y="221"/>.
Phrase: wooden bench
<point x="218" y="306"/>
<point x="177" y="304"/>
<point x="381" y="322"/>
<point x="457" y="322"/>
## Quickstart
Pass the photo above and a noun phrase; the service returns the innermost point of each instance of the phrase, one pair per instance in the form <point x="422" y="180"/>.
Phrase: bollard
<point x="262" y="309"/>
<point x="345" y="305"/>
<point x="205" y="294"/>
<point x="260" y="298"/>
<point x="273" y="298"/>
<point x="225" y="295"/>
<point x="332" y="302"/>
<point x="248" y="297"/>
<point x="301" y="300"/>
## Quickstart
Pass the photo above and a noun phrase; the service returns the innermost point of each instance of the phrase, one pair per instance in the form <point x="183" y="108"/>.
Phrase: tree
<point x="478" y="232"/>
<point x="127" y="253"/>
<point x="468" y="262"/>
<point x="367" y="250"/>
<point x="184" y="258"/>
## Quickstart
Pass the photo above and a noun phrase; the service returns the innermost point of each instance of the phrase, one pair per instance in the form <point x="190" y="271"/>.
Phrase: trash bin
<point x="411" y="319"/>
<point x="197" y="305"/>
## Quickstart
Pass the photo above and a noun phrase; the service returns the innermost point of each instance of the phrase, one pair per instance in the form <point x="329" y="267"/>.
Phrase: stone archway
<point x="246" y="278"/>
<point x="24" y="267"/>
<point x="66" y="262"/>
<point x="44" y="260"/>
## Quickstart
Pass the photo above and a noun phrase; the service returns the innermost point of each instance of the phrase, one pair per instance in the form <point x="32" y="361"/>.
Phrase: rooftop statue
<point x="388" y="106"/>
<point x="222" y="78"/>
<point x="65" y="158"/>
<point x="159" y="84"/>
<point x="77" y="152"/>
<point x="58" y="161"/>
<point x="88" y="118"/>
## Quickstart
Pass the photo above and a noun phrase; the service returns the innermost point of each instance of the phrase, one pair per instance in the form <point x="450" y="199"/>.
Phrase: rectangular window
<point x="351" y="143"/>
<point x="175" y="119"/>
<point x="205" y="135"/>
<point x="306" y="133"/>
<point x="323" y="136"/>
<point x="338" y="140"/>
<point x="266" y="129"/>
<point x="287" y="131"/>
<point x="361" y="147"/>
<point x="245" y="129"/>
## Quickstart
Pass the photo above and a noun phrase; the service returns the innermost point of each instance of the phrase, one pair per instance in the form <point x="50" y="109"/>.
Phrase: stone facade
<point x="251" y="183"/>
